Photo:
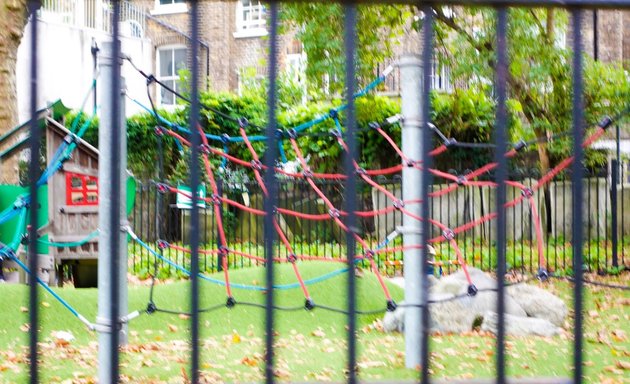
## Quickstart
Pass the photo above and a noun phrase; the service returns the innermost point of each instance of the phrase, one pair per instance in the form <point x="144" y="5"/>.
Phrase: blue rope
<point x="70" y="243"/>
<point x="238" y="285"/>
<point x="44" y="285"/>
<point x="283" y="155"/>
<point x="253" y="138"/>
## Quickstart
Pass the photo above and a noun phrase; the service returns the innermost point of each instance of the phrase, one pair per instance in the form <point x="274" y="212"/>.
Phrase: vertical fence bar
<point x="195" y="181"/>
<point x="350" y="196"/>
<point x="271" y="200"/>
<point x="613" y="206"/>
<point x="501" y="176"/>
<point x="33" y="173"/>
<point x="577" y="192"/>
<point x="425" y="187"/>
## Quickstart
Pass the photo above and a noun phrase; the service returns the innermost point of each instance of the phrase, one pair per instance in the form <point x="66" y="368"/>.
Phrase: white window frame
<point x="167" y="9"/>
<point x="251" y="27"/>
<point x="174" y="77"/>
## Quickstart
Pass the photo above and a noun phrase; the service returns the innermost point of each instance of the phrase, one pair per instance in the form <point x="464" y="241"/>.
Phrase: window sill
<point x="169" y="9"/>
<point x="247" y="33"/>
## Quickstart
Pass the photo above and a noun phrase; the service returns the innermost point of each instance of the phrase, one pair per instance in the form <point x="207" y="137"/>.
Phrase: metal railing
<point x="109" y="325"/>
<point x="324" y="239"/>
<point x="93" y="14"/>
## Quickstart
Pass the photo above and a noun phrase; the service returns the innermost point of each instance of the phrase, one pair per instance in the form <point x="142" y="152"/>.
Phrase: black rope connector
<point x="24" y="239"/>
<point x="461" y="180"/>
<point x="606" y="122"/>
<point x="374" y="125"/>
<point x="292" y="258"/>
<point x="205" y="149"/>
<point x="279" y="133"/>
<point x="333" y="114"/>
<point x="230" y="302"/>
<point x="292" y="133"/>
<point x="151" y="308"/>
<point x="450" y="142"/>
<point x="225" y="138"/>
<point x="361" y="171"/>
<point x="216" y="199"/>
<point x="257" y="165"/>
<point x="309" y="304"/>
<point x="369" y="254"/>
<point x="334" y="213"/>
<point x="448" y="234"/>
<point x="242" y="122"/>
<point x="161" y="188"/>
<point x="391" y="306"/>
<point x="151" y="79"/>
<point x="542" y="274"/>
<point x="472" y="290"/>
<point x="527" y="192"/>
<point x="410" y="163"/>
<point x="163" y="244"/>
<point x="398" y="204"/>
<point x="520" y="145"/>
<point x="307" y="173"/>
<point x="159" y="130"/>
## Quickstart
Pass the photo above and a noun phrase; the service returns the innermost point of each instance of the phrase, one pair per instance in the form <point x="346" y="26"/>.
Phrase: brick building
<point x="233" y="42"/>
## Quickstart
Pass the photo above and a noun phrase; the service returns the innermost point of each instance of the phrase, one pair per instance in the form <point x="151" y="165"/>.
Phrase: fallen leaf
<point x="23" y="309"/>
<point x="318" y="333"/>
<point x="183" y="316"/>
<point x="625" y="365"/>
<point x="236" y="338"/>
<point x="172" y="328"/>
<point x="45" y="304"/>
<point x="25" y="327"/>
<point x="249" y="361"/>
<point x="619" y="335"/>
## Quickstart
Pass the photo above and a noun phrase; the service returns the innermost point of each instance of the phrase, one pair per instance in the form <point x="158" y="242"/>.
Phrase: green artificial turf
<point x="311" y="346"/>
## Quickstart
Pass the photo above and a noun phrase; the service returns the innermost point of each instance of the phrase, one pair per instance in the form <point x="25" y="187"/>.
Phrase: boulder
<point x="519" y="325"/>
<point x="523" y="303"/>
<point x="537" y="302"/>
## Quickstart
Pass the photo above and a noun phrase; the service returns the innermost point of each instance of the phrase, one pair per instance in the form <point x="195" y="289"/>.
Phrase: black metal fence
<point x="497" y="238"/>
<point x="602" y="251"/>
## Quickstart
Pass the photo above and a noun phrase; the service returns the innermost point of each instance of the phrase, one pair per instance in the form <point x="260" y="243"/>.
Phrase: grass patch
<point x="311" y="346"/>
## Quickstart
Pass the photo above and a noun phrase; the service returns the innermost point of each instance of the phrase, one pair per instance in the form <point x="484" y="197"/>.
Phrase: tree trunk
<point x="13" y="18"/>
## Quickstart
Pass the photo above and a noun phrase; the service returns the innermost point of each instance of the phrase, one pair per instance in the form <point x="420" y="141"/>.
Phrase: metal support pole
<point x="411" y="86"/>
<point x="107" y="231"/>
<point x="613" y="206"/>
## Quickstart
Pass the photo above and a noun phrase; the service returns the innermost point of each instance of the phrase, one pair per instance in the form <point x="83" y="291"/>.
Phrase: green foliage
<point x="320" y="28"/>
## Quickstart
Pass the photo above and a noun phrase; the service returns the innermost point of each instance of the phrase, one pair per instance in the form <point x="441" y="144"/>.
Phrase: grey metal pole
<point x="106" y="191"/>
<point x="411" y="87"/>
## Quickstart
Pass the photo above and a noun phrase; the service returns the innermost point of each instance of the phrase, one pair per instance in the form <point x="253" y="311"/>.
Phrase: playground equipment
<point x="68" y="214"/>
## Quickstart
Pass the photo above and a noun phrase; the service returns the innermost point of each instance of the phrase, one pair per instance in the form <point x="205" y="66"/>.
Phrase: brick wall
<point x="228" y="54"/>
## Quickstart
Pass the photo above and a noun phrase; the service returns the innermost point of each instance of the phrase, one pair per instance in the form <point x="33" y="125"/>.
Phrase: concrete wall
<point x="65" y="67"/>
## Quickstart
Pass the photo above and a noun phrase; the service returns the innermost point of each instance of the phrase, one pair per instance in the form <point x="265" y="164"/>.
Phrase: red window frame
<point x="87" y="187"/>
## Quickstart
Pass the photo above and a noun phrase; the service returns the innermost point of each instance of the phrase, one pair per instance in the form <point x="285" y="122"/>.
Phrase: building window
<point x="170" y="60"/>
<point x="81" y="189"/>
<point x="164" y="7"/>
<point x="250" y="19"/>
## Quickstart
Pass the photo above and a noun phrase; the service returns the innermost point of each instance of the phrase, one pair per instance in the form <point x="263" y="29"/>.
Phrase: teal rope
<point x="70" y="243"/>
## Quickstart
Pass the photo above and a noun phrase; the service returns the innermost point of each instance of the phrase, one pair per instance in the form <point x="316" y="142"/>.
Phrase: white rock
<point x="539" y="303"/>
<point x="519" y="326"/>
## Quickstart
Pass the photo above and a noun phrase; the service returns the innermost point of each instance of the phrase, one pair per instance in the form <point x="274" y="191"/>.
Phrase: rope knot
<point x="606" y="122"/>
<point x="225" y="138"/>
<point x="216" y="199"/>
<point x="527" y="192"/>
<point x="163" y="244"/>
<point x="242" y="122"/>
<point x="292" y="258"/>
<point x="520" y="145"/>
<point x="159" y="130"/>
<point x="450" y="142"/>
<point x="333" y="114"/>
<point x="223" y="250"/>
<point x="256" y="165"/>
<point x="461" y="180"/>
<point x="334" y="213"/>
<point x="398" y="204"/>
<point x="361" y="171"/>
<point x="374" y="125"/>
<point x="369" y="254"/>
<point x="205" y="149"/>
<point x="307" y="173"/>
<point x="448" y="234"/>
<point x="161" y="188"/>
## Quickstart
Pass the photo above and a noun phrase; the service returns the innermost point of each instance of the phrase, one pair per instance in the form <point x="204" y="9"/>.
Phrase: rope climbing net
<point x="368" y="251"/>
